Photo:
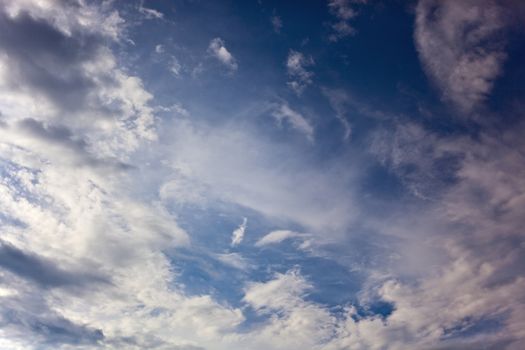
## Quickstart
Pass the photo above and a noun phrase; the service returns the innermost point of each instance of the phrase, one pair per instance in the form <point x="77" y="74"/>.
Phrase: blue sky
<point x="339" y="174"/>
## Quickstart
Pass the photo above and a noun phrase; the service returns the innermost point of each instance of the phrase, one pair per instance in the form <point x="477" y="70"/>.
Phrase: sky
<point x="262" y="175"/>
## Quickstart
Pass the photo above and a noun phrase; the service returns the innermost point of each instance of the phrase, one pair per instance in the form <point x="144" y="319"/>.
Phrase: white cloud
<point x="475" y="220"/>
<point x="72" y="212"/>
<point x="238" y="233"/>
<point x="339" y="101"/>
<point x="159" y="49"/>
<point x="460" y="46"/>
<point x="175" y="66"/>
<point x="344" y="11"/>
<point x="296" y="65"/>
<point x="296" y="324"/>
<point x="295" y="119"/>
<point x="150" y="13"/>
<point x="238" y="165"/>
<point x="235" y="260"/>
<point x="219" y="51"/>
<point x="278" y="236"/>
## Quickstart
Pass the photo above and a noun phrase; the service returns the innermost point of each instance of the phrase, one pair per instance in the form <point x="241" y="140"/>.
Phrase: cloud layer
<point x="117" y="213"/>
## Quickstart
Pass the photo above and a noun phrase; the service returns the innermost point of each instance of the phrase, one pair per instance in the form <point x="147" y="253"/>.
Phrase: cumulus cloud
<point x="218" y="49"/>
<point x="296" y="65"/>
<point x="238" y="233"/>
<point x="72" y="237"/>
<point x="343" y="11"/>
<point x="295" y="119"/>
<point x="461" y="46"/>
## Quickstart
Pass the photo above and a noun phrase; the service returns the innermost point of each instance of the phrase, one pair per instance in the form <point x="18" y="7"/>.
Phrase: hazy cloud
<point x="295" y="119"/>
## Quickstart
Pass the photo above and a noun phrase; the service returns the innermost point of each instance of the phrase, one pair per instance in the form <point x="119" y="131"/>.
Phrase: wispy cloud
<point x="297" y="67"/>
<point x="234" y="260"/>
<point x="343" y="11"/>
<point x="460" y="46"/>
<point x="175" y="66"/>
<point x="277" y="23"/>
<point x="295" y="119"/>
<point x="160" y="49"/>
<point x="238" y="233"/>
<point x="232" y="164"/>
<point x="218" y="49"/>
<point x="100" y="185"/>
<point x="339" y="101"/>
<point x="150" y="13"/>
<point x="279" y="236"/>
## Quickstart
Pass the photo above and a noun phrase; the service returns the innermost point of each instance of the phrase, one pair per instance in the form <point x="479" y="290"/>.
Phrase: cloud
<point x="219" y="51"/>
<point x="175" y="66"/>
<point x="344" y="11"/>
<point x="234" y="260"/>
<point x="71" y="75"/>
<point x="160" y="49"/>
<point x="150" y="13"/>
<point x="85" y="255"/>
<point x="278" y="236"/>
<point x="44" y="327"/>
<point x="295" y="119"/>
<point x="473" y="199"/>
<point x="296" y="323"/>
<point x="277" y="23"/>
<point x="296" y="65"/>
<point x="42" y="271"/>
<point x="238" y="233"/>
<point x="461" y="47"/>
<point x="237" y="165"/>
<point x="339" y="100"/>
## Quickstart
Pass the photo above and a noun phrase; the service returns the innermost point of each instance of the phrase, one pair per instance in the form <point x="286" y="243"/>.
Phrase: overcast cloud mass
<point x="262" y="175"/>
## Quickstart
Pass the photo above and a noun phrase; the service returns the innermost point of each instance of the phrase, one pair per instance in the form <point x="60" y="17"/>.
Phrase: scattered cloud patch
<point x="277" y="23"/>
<point x="238" y="233"/>
<point x="230" y="164"/>
<point x="297" y="68"/>
<point x="339" y="101"/>
<point x="278" y="236"/>
<point x="344" y="11"/>
<point x="461" y="48"/>
<point x="160" y="49"/>
<point x="218" y="49"/>
<point x="234" y="260"/>
<point x="295" y="119"/>
<point x="175" y="66"/>
<point x="101" y="182"/>
<point x="150" y="13"/>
